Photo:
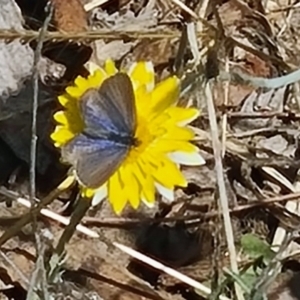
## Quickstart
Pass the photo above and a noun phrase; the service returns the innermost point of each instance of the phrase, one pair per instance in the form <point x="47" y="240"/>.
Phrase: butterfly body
<point x="109" y="115"/>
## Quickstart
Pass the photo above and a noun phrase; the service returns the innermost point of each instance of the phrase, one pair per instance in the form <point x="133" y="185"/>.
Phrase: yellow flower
<point x="164" y="140"/>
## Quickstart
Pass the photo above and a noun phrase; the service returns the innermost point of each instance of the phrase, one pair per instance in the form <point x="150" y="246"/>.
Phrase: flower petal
<point x="162" y="174"/>
<point x="187" y="158"/>
<point x="142" y="74"/>
<point x="116" y="194"/>
<point x="131" y="187"/>
<point x="99" y="195"/>
<point x="61" y="136"/>
<point x="165" y="146"/>
<point x="183" y="116"/>
<point x="110" y="67"/>
<point x="165" y="192"/>
<point x="165" y="94"/>
<point x="178" y="133"/>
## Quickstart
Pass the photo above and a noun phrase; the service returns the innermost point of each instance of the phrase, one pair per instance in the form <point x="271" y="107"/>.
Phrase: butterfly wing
<point x="95" y="160"/>
<point x="109" y="114"/>
<point x="111" y="109"/>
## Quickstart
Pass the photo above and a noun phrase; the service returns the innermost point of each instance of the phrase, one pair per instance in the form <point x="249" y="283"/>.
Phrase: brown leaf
<point x="70" y="15"/>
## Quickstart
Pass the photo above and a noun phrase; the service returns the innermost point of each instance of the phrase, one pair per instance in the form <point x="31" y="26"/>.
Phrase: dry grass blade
<point x="221" y="186"/>
<point x="87" y="36"/>
<point x="94" y="3"/>
<point x="38" y="278"/>
<point x="205" y="291"/>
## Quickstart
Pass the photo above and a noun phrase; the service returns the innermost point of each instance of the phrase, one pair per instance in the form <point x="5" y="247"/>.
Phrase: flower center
<point x="142" y="140"/>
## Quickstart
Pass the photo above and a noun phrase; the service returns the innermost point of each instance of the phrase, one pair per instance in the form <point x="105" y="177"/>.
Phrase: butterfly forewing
<point x="95" y="160"/>
<point x="111" y="109"/>
<point x="118" y="90"/>
<point x="96" y="113"/>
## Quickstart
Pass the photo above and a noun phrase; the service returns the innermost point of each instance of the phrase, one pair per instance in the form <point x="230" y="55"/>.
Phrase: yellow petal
<point x="145" y="181"/>
<point x="165" y="94"/>
<point x="61" y="136"/>
<point x="60" y="117"/>
<point x="64" y="99"/>
<point x="96" y="79"/>
<point x="74" y="91"/>
<point x="131" y="187"/>
<point x="162" y="175"/>
<point x="182" y="116"/>
<point x="81" y="83"/>
<point x="116" y="194"/>
<point x="110" y="67"/>
<point x="178" y="133"/>
<point x="142" y="101"/>
<point x="142" y="74"/>
<point x="166" y="146"/>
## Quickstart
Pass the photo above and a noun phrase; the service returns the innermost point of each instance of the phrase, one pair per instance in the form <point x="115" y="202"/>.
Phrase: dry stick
<point x="221" y="186"/>
<point x="32" y="174"/>
<point x="35" y="77"/>
<point x="121" y="222"/>
<point x="87" y="36"/>
<point x="205" y="291"/>
<point x="225" y="116"/>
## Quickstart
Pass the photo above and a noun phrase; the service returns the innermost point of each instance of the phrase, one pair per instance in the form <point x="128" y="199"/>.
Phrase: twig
<point x="122" y="222"/>
<point x="32" y="294"/>
<point x="185" y="8"/>
<point x="221" y="186"/>
<point x="159" y="266"/>
<point x="59" y="218"/>
<point x="35" y="77"/>
<point x="88" y="36"/>
<point x="225" y="116"/>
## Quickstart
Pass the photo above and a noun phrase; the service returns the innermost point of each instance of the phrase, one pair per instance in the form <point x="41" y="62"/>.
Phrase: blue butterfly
<point x="109" y="114"/>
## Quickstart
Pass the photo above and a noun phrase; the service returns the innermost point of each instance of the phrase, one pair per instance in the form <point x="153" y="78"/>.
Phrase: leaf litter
<point x="261" y="159"/>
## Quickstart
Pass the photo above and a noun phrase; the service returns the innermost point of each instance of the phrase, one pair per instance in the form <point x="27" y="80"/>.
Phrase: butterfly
<point x="109" y="115"/>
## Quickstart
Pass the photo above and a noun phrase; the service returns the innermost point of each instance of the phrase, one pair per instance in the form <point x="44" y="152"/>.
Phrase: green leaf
<point x="254" y="247"/>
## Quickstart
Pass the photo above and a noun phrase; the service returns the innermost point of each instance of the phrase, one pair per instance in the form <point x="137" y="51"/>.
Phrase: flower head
<point x="164" y="140"/>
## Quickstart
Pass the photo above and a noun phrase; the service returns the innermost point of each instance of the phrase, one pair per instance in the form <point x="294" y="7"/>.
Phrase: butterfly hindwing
<point x="95" y="160"/>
